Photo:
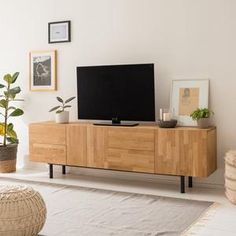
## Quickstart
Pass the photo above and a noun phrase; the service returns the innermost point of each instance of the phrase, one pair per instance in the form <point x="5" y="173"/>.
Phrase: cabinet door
<point x="130" y="149"/>
<point x="47" y="143"/>
<point x="96" y="146"/>
<point x="183" y="152"/>
<point x="76" y="144"/>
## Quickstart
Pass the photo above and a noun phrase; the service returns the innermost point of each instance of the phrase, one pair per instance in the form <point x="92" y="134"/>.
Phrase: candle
<point x="161" y="114"/>
<point x="167" y="116"/>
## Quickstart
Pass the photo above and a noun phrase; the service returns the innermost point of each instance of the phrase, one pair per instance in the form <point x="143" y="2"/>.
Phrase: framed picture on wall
<point x="43" y="70"/>
<point x="187" y="96"/>
<point x="59" y="32"/>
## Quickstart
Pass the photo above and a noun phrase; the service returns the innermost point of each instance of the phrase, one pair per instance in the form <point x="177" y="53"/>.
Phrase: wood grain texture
<point x="49" y="153"/>
<point x="129" y="149"/>
<point x="187" y="151"/>
<point x="130" y="138"/>
<point x="184" y="152"/>
<point x="49" y="133"/>
<point x="96" y="146"/>
<point x="76" y="145"/>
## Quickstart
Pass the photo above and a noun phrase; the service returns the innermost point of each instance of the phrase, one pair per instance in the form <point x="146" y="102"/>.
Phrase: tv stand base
<point x="182" y="178"/>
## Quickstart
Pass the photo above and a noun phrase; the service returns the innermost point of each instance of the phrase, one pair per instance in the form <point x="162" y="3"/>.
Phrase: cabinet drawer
<point x="131" y="139"/>
<point x="47" y="133"/>
<point x="49" y="153"/>
<point x="129" y="160"/>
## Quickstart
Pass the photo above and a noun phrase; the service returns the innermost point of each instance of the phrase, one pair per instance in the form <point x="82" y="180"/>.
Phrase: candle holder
<point x="166" y="120"/>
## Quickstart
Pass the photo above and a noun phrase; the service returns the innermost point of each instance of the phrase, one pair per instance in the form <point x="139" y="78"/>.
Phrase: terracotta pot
<point x="62" y="117"/>
<point x="8" y="158"/>
<point x="203" y="123"/>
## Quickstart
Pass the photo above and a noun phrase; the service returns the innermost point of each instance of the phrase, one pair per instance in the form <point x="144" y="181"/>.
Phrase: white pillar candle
<point x="167" y="116"/>
<point x="161" y="114"/>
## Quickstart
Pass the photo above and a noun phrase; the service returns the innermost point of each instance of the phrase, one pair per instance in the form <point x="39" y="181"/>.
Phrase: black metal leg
<point x="63" y="170"/>
<point x="182" y="184"/>
<point x="51" y="171"/>
<point x="190" y="181"/>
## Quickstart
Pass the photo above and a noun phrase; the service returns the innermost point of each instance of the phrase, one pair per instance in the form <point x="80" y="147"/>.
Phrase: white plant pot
<point x="203" y="123"/>
<point x="62" y="117"/>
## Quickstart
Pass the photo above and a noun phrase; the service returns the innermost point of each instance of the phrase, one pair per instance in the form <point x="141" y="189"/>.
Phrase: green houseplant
<point x="62" y="116"/>
<point x="8" y="147"/>
<point x="202" y="115"/>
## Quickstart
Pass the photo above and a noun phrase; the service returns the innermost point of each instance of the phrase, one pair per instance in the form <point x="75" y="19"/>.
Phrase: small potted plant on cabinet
<point x="8" y="147"/>
<point x="202" y="116"/>
<point x="62" y="116"/>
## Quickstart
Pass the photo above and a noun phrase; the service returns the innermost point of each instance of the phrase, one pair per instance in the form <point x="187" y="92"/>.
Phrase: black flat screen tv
<point x="116" y="92"/>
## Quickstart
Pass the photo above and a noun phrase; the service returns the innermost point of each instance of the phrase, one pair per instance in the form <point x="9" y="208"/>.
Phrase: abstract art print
<point x="187" y="96"/>
<point x="43" y="70"/>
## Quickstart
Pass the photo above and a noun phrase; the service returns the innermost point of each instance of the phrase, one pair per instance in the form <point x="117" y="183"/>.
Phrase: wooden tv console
<point x="181" y="151"/>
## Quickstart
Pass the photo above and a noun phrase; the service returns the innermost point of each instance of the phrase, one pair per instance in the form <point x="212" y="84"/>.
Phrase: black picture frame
<point x="55" y="38"/>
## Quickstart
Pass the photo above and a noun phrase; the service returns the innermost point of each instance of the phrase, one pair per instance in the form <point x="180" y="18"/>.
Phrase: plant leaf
<point x="59" y="111"/>
<point x="60" y="99"/>
<point x="15" y="90"/>
<point x="17" y="112"/>
<point x="3" y="103"/>
<point x="10" y="127"/>
<point x="67" y="106"/>
<point x="2" y="86"/>
<point x="12" y="134"/>
<point x="2" y="129"/>
<point x="12" y="140"/>
<point x="69" y="99"/>
<point x="8" y="78"/>
<point x="54" y="108"/>
<point x="14" y="77"/>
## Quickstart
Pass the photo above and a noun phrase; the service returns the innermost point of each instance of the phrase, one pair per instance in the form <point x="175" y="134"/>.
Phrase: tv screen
<point x="125" y="92"/>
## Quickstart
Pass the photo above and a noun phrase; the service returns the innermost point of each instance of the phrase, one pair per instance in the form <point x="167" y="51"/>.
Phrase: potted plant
<point x="62" y="116"/>
<point x="202" y="115"/>
<point x="8" y="147"/>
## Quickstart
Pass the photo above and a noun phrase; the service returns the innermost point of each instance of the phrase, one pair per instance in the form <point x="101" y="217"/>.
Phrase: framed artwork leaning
<point x="187" y="96"/>
<point x="43" y="70"/>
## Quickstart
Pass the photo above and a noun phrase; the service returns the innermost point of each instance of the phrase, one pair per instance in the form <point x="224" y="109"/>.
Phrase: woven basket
<point x="8" y="158"/>
<point x="230" y="176"/>
<point x="22" y="211"/>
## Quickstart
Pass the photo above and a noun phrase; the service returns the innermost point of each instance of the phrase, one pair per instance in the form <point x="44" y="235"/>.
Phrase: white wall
<point x="184" y="38"/>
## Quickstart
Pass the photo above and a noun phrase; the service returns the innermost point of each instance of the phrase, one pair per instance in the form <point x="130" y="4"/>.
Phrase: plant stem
<point x="5" y="120"/>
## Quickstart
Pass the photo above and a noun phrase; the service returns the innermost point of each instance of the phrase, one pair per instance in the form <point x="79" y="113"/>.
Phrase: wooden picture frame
<point x="43" y="70"/>
<point x="59" y="32"/>
<point x="186" y="96"/>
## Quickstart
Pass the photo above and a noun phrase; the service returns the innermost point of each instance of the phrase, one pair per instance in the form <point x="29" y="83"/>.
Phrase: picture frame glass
<point x="187" y="96"/>
<point x="59" y="32"/>
<point x="43" y="70"/>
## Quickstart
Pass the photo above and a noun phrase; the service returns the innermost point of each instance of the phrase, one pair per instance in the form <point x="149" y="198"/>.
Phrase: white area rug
<point x="75" y="211"/>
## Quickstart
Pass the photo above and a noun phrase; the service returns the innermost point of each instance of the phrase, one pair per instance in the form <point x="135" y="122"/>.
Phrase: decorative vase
<point x="203" y="123"/>
<point x="62" y="117"/>
<point x="8" y="158"/>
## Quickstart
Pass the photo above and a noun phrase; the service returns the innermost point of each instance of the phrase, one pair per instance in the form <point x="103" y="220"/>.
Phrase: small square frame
<point x="59" y="32"/>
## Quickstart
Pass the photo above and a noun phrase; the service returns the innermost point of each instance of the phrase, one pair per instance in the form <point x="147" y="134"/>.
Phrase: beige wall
<point x="184" y="38"/>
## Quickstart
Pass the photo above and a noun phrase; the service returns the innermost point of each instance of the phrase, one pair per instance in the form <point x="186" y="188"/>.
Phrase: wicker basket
<point x="22" y="211"/>
<point x="230" y="176"/>
<point x="8" y="158"/>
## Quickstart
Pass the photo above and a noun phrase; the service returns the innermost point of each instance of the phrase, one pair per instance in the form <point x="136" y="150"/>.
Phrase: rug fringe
<point x="201" y="222"/>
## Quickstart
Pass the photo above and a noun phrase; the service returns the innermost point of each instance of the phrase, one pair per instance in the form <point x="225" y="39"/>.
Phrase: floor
<point x="220" y="222"/>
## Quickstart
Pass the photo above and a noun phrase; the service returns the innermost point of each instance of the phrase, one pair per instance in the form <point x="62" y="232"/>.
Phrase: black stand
<point x="190" y="181"/>
<point x="182" y="184"/>
<point x="51" y="171"/>
<point x="63" y="170"/>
